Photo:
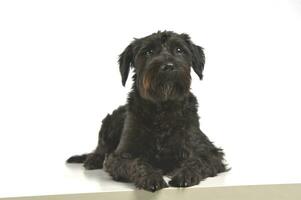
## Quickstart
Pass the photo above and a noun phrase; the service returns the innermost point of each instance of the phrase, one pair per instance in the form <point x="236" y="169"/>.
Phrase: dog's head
<point x="162" y="63"/>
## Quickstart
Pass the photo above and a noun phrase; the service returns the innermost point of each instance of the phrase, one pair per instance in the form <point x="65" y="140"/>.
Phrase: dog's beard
<point x="165" y="86"/>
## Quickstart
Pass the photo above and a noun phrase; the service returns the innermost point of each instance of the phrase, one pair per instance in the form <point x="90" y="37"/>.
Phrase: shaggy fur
<point x="157" y="132"/>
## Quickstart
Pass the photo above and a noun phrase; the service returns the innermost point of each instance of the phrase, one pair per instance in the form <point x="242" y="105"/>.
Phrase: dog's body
<point x="157" y="132"/>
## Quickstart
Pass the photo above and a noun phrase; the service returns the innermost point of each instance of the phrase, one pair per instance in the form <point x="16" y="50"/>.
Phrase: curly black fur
<point x="157" y="132"/>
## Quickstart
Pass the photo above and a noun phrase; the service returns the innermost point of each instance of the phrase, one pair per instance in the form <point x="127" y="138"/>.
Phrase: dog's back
<point x="108" y="139"/>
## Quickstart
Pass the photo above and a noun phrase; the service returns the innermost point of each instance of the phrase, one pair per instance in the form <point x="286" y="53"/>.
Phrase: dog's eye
<point x="179" y="50"/>
<point x="148" y="52"/>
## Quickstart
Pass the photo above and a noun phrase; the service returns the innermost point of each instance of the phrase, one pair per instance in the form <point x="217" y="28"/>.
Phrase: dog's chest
<point x="163" y="124"/>
<point x="168" y="133"/>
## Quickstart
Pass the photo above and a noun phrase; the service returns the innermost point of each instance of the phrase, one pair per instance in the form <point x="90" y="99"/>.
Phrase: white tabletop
<point x="38" y="177"/>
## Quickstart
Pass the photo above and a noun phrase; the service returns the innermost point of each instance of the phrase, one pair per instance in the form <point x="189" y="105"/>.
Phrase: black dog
<point x="157" y="132"/>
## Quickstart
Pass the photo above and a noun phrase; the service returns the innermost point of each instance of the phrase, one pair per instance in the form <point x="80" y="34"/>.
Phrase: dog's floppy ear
<point x="198" y="60"/>
<point x="198" y="56"/>
<point x="125" y="62"/>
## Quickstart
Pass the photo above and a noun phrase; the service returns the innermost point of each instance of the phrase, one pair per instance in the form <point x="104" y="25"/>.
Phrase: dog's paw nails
<point x="153" y="188"/>
<point x="180" y="183"/>
<point x="184" y="179"/>
<point x="152" y="183"/>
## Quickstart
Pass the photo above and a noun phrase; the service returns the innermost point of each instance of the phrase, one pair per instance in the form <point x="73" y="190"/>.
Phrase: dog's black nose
<point x="167" y="67"/>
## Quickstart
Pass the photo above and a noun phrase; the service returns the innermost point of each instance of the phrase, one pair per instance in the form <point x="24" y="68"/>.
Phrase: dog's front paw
<point x="151" y="183"/>
<point x="185" y="178"/>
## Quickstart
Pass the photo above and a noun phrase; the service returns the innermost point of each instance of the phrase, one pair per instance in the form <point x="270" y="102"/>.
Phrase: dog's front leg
<point x="123" y="167"/>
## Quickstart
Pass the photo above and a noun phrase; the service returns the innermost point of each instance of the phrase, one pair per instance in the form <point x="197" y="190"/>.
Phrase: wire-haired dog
<point x="157" y="132"/>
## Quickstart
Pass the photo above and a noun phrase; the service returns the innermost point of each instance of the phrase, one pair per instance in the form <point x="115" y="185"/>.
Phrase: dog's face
<point x="162" y="63"/>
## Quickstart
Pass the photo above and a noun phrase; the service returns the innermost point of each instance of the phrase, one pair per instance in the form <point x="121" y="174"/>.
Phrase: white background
<point x="59" y="77"/>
